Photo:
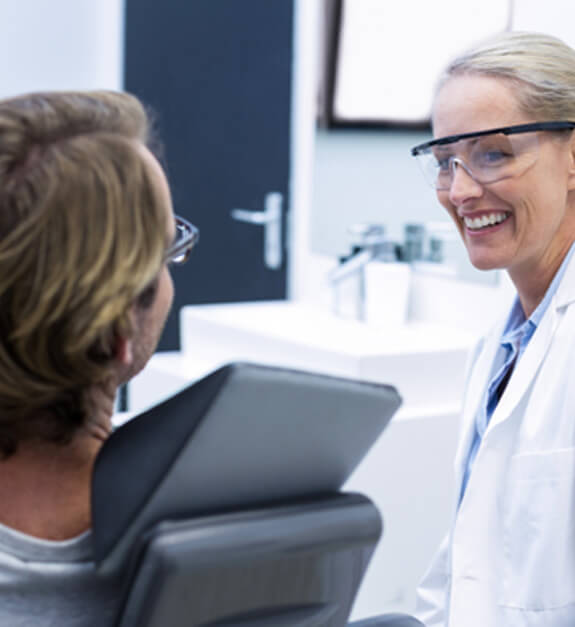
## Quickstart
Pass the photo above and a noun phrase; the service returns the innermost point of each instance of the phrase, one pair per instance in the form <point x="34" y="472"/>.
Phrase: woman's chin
<point x="484" y="262"/>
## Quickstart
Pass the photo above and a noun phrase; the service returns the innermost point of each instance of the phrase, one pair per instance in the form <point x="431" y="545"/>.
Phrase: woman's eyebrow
<point x="442" y="149"/>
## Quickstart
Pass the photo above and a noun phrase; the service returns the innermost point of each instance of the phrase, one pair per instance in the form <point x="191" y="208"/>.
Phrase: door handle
<point x="271" y="219"/>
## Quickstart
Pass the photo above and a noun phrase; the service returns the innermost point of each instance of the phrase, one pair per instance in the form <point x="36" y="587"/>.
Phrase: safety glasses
<point x="487" y="156"/>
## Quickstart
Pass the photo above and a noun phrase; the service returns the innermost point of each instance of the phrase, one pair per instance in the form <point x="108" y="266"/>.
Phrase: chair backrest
<point x="222" y="504"/>
<point x="296" y="565"/>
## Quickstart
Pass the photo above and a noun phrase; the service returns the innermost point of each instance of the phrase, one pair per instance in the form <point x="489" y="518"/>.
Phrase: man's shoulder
<point x="18" y="546"/>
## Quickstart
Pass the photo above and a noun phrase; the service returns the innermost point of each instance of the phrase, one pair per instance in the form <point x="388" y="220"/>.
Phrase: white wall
<point x="60" y="44"/>
<point x="305" y="73"/>
<point x="555" y="17"/>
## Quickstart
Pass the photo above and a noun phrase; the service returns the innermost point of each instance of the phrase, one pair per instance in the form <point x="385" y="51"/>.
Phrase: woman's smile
<point x="484" y="221"/>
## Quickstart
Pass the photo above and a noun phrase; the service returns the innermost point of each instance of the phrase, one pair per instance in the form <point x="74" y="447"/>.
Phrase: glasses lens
<point x="486" y="159"/>
<point x="186" y="238"/>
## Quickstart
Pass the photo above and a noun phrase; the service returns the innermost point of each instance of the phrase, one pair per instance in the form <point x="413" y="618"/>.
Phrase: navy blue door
<point x="218" y="74"/>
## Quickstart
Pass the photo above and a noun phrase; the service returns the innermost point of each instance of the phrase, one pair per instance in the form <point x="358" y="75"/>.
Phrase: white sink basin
<point x="425" y="362"/>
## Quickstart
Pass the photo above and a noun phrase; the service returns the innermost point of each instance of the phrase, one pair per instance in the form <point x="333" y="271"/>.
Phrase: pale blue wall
<point x="367" y="176"/>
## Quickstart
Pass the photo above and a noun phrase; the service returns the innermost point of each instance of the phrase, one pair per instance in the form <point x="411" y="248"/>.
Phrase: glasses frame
<point x="179" y="252"/>
<point x="561" y="125"/>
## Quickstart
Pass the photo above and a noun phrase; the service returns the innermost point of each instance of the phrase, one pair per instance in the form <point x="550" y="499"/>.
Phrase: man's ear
<point x="123" y="350"/>
<point x="571" y="172"/>
<point x="124" y="344"/>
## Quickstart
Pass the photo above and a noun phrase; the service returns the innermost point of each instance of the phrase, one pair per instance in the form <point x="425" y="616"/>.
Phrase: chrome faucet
<point x="368" y="244"/>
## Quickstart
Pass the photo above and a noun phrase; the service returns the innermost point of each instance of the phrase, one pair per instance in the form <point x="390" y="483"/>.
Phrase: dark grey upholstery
<point x="388" y="620"/>
<point x="294" y="565"/>
<point x="187" y="559"/>
<point x="244" y="436"/>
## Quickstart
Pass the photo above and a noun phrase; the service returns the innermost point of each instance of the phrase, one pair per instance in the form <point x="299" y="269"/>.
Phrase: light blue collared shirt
<point x="514" y="340"/>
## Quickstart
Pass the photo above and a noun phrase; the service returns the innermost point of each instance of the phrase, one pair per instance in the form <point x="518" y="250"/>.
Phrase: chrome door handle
<point x="271" y="219"/>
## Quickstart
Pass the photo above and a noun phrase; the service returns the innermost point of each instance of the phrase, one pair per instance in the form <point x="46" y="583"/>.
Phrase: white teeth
<point x="485" y="220"/>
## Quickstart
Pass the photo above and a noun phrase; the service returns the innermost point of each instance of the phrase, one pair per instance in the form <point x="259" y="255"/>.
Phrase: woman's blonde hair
<point x="541" y="67"/>
<point x="82" y="235"/>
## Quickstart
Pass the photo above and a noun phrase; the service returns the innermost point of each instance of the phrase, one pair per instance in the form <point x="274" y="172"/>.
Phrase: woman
<point x="503" y="165"/>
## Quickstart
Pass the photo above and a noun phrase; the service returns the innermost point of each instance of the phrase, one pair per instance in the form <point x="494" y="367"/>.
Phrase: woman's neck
<point x="533" y="282"/>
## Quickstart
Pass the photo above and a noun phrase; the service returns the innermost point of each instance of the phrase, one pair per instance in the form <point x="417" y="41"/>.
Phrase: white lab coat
<point x="509" y="559"/>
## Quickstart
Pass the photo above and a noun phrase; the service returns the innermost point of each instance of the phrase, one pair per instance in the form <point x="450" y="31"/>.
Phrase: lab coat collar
<point x="531" y="360"/>
<point x="566" y="291"/>
<point x="527" y="367"/>
<point x="525" y="370"/>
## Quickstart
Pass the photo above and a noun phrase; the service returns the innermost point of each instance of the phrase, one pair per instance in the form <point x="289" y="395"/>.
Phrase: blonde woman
<point x="502" y="163"/>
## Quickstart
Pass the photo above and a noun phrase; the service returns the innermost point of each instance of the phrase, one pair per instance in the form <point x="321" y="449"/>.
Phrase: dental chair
<point x="222" y="505"/>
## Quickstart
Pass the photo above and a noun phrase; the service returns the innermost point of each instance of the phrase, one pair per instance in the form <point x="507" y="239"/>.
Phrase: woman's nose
<point x="463" y="185"/>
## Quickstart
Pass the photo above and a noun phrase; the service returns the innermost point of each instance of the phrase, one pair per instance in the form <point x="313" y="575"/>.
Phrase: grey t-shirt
<point x="52" y="584"/>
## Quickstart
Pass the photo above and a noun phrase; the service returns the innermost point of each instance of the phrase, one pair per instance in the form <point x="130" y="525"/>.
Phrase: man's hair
<point x="82" y="236"/>
<point x="540" y="67"/>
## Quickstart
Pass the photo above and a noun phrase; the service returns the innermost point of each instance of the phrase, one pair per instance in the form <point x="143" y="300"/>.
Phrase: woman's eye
<point x="492" y="157"/>
<point x="442" y="163"/>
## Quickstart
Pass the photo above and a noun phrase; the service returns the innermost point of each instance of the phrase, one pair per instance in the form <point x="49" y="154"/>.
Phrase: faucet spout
<point x="352" y="265"/>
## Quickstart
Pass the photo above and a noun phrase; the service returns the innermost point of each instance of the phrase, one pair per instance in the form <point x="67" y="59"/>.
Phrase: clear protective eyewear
<point x="487" y="156"/>
<point x="187" y="236"/>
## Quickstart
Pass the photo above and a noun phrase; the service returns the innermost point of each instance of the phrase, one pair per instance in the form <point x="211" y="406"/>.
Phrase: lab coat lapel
<point x="527" y="367"/>
<point x="478" y="378"/>
<point x="566" y="291"/>
<point x="522" y="377"/>
<point x="534" y="354"/>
